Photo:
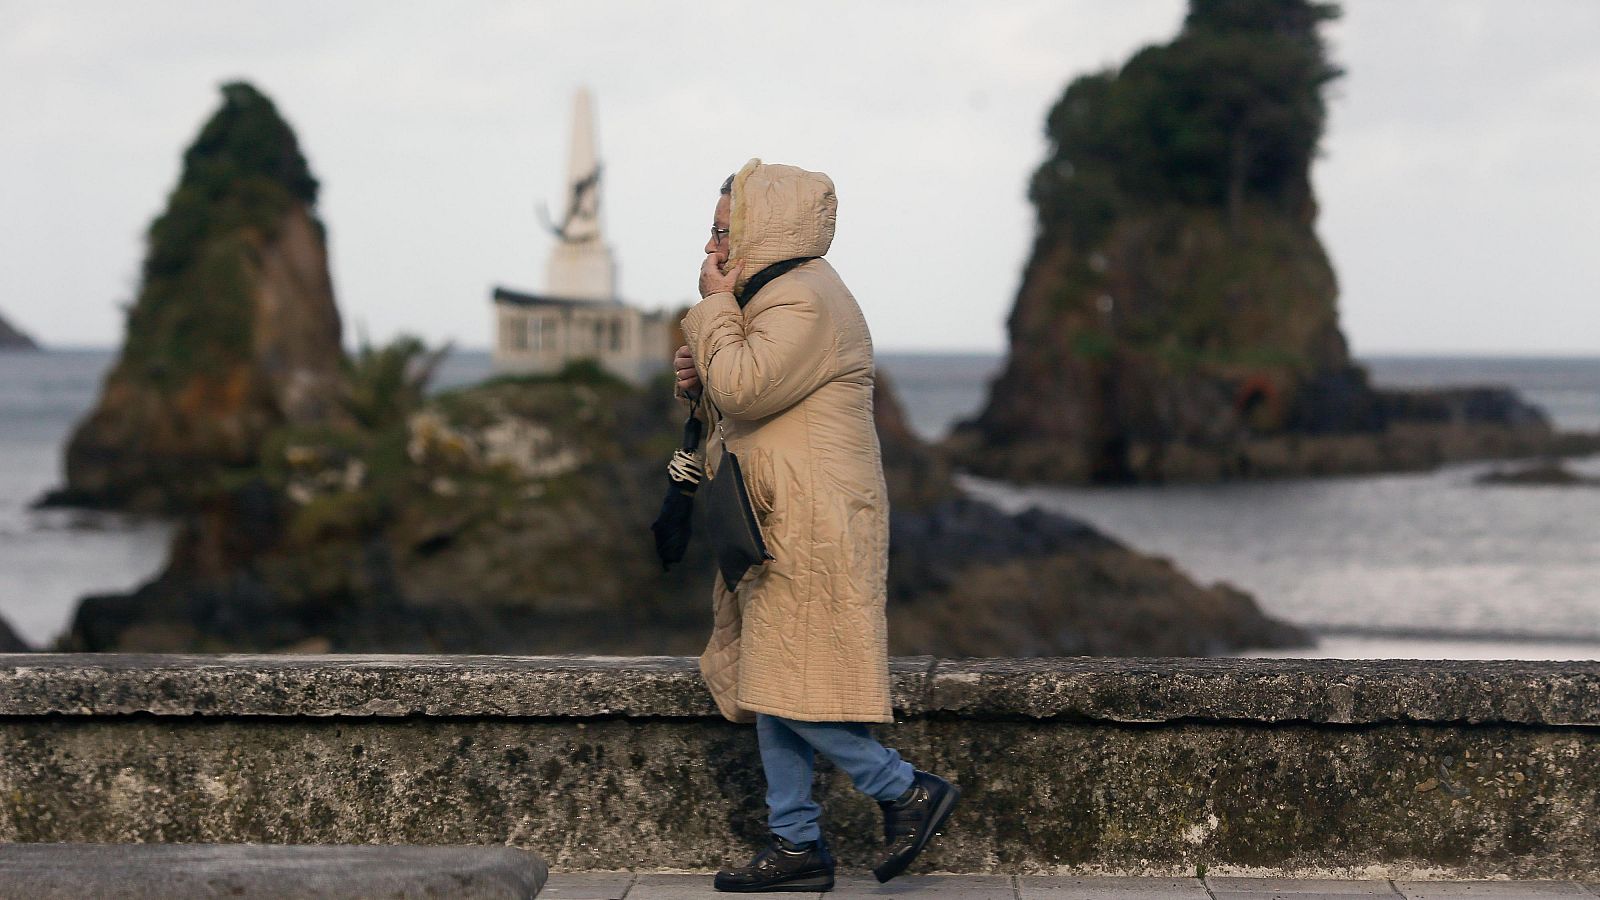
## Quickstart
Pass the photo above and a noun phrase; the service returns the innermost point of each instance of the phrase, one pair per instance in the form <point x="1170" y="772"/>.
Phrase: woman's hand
<point x="712" y="280"/>
<point x="688" y="378"/>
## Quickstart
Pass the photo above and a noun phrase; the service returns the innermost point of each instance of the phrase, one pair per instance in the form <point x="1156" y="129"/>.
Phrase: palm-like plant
<point x="385" y="384"/>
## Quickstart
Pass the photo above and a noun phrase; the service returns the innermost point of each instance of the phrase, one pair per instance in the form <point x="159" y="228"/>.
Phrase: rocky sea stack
<point x="1178" y="316"/>
<point x="234" y="331"/>
<point x="12" y="339"/>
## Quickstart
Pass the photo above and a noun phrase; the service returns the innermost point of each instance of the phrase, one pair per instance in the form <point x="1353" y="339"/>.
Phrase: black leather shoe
<point x="909" y="823"/>
<point x="781" y="866"/>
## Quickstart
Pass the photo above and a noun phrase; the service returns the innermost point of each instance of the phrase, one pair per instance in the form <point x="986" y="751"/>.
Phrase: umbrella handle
<point x="693" y="427"/>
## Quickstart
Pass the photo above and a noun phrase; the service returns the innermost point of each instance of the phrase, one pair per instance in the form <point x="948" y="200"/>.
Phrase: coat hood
<point x="778" y="213"/>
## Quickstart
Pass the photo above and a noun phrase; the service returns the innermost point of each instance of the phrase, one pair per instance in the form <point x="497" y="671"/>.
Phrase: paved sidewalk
<point x="646" y="886"/>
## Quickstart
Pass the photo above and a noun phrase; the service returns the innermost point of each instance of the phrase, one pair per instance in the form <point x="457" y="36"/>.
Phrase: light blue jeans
<point x="788" y="748"/>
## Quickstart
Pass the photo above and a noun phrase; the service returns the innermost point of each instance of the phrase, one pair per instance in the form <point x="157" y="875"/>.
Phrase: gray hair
<point x="727" y="186"/>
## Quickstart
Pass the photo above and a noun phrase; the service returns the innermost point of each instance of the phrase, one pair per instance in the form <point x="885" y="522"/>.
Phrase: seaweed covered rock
<point x="234" y="331"/>
<point x="1178" y="316"/>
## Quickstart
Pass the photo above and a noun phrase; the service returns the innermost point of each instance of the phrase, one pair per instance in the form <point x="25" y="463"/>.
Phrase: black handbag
<point x="731" y="525"/>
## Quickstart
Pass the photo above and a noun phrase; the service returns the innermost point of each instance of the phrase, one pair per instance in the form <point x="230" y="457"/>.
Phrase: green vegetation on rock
<point x="1230" y="111"/>
<point x="1208" y="139"/>
<point x="241" y="176"/>
<point x="384" y="384"/>
<point x="1178" y="307"/>
<point x="234" y="329"/>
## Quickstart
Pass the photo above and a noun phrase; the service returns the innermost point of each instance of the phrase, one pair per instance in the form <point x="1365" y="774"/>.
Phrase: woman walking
<point x="780" y="356"/>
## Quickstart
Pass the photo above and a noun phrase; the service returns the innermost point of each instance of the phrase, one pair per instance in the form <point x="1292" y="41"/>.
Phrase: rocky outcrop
<point x="1178" y="316"/>
<point x="9" y="641"/>
<point x="12" y="339"/>
<point x="513" y="517"/>
<point x="966" y="579"/>
<point x="234" y="332"/>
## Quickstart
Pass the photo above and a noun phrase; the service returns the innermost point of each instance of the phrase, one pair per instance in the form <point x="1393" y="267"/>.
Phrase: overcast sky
<point x="1459" y="185"/>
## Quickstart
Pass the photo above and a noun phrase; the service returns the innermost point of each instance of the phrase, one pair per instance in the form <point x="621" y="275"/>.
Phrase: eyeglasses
<point x="718" y="234"/>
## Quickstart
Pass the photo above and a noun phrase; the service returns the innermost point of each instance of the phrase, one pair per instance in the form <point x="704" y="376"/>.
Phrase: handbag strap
<point x="764" y="277"/>
<point x="751" y="288"/>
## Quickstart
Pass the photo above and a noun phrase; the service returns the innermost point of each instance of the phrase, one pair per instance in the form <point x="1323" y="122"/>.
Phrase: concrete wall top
<point x="1118" y="690"/>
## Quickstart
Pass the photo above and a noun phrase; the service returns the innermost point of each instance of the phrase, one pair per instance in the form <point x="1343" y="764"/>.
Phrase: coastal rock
<point x="10" y="642"/>
<point x="509" y="517"/>
<point x="919" y="476"/>
<point x="513" y="517"/>
<point x="234" y="331"/>
<point x="1177" y="319"/>
<point x="966" y="579"/>
<point x="13" y="339"/>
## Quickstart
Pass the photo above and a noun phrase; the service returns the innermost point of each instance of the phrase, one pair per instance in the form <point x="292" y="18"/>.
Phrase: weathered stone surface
<point x="1081" y="688"/>
<point x="391" y="685"/>
<point x="164" y="871"/>
<point x="1313" y="690"/>
<point x="1150" y="767"/>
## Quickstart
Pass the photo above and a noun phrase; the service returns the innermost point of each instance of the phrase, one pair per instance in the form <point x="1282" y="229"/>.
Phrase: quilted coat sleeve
<point x="760" y="364"/>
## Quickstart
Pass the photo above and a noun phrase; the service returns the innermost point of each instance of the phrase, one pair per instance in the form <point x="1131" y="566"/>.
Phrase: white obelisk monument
<point x="581" y="267"/>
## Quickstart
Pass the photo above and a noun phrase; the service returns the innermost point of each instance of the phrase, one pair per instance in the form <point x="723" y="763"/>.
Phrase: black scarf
<point x="765" y="276"/>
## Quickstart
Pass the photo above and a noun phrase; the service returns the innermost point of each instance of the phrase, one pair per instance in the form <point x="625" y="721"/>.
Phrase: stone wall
<point x="1399" y="768"/>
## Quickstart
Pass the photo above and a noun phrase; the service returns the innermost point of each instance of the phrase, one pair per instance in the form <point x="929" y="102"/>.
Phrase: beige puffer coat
<point x="804" y="636"/>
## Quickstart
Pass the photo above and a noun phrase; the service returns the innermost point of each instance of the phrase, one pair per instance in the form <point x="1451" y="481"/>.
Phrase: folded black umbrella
<point x="674" y="525"/>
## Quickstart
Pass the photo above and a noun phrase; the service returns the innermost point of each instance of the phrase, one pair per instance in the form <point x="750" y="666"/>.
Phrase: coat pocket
<point x="761" y="482"/>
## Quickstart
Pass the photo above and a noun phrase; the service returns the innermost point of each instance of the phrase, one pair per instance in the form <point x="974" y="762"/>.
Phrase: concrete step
<point x="259" y="871"/>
